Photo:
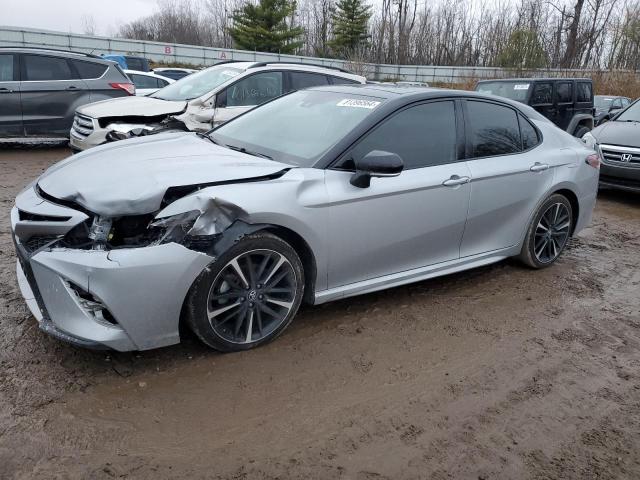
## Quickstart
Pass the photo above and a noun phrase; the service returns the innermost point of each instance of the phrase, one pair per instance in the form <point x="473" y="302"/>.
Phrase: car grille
<point x="38" y="242"/>
<point x="620" y="156"/>
<point x="82" y="126"/>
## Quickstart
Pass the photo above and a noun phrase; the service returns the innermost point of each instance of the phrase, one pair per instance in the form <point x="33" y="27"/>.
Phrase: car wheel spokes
<point x="251" y="296"/>
<point x="552" y="233"/>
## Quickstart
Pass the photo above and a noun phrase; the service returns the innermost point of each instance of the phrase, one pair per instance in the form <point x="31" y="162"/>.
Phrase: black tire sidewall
<point x="196" y="302"/>
<point x="528" y="255"/>
<point x="581" y="132"/>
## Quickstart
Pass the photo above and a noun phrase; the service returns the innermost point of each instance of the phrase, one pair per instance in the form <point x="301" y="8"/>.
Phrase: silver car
<point x="316" y="196"/>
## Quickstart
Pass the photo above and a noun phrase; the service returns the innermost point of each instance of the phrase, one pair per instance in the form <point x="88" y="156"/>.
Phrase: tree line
<point x="601" y="34"/>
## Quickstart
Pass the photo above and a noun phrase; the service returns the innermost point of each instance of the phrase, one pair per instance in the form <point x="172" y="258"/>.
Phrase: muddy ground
<point x="500" y="372"/>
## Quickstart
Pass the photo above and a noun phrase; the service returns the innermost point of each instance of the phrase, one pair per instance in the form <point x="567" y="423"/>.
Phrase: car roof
<point x="148" y="74"/>
<point x="406" y="95"/>
<point x="258" y="66"/>
<point x="535" y="79"/>
<point x="53" y="52"/>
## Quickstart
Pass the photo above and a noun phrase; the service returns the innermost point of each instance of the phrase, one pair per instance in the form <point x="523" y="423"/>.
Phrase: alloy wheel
<point x="251" y="296"/>
<point x="552" y="232"/>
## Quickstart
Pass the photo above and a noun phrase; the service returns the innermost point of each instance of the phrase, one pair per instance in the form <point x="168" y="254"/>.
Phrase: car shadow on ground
<point x="334" y="315"/>
<point x="620" y="196"/>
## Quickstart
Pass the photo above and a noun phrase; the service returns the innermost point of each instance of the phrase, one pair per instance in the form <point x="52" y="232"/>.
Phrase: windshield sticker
<point x="521" y="86"/>
<point x="353" y="103"/>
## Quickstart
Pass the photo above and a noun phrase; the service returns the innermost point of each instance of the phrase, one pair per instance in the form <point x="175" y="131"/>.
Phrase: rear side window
<point x="343" y="81"/>
<point x="143" y="81"/>
<point x="564" y="92"/>
<point x="625" y="102"/>
<point x="89" y="70"/>
<point x="43" y="68"/>
<point x="584" y="92"/>
<point x="423" y="136"/>
<point x="493" y="129"/>
<point x="301" y="80"/>
<point x="6" y="68"/>
<point x="529" y="134"/>
<point x="542" y="94"/>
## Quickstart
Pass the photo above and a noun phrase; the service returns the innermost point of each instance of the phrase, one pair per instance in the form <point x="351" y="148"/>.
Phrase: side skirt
<point x="414" y="275"/>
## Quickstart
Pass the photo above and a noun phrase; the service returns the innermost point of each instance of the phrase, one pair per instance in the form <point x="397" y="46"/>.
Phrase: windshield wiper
<point x="206" y="137"/>
<point x="248" y="152"/>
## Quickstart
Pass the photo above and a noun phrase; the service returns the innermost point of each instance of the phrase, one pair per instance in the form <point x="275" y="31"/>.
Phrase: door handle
<point x="539" y="167"/>
<point x="5" y="90"/>
<point x="73" y="87"/>
<point x="456" y="180"/>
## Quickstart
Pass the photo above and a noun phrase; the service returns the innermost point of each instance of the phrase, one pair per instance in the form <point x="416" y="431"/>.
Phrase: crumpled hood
<point x="625" y="134"/>
<point x="131" y="106"/>
<point x="130" y="177"/>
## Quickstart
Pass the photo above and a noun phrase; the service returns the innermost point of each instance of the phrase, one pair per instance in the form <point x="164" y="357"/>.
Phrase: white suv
<point x="200" y="101"/>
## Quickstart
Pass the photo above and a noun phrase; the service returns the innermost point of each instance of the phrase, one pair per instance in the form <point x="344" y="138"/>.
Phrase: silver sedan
<point x="318" y="195"/>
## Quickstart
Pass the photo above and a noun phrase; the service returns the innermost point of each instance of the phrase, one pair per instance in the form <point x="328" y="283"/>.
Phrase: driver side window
<point x="252" y="91"/>
<point x="423" y="136"/>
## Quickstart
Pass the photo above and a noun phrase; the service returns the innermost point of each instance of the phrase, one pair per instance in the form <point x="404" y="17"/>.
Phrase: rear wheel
<point x="548" y="233"/>
<point x="249" y="296"/>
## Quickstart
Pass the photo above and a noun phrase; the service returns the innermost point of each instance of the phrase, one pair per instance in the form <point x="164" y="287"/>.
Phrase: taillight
<point x="130" y="88"/>
<point x="594" y="160"/>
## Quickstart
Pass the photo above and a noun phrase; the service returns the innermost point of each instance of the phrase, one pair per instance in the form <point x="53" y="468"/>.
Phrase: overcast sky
<point x="68" y="15"/>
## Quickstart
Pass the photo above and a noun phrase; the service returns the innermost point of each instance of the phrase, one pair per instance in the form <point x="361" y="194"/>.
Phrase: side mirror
<point x="376" y="164"/>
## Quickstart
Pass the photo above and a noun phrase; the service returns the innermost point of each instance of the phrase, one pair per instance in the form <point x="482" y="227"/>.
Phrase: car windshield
<point x="298" y="128"/>
<point x="197" y="84"/>
<point x="631" y="114"/>
<point x="602" y="103"/>
<point x="514" y="90"/>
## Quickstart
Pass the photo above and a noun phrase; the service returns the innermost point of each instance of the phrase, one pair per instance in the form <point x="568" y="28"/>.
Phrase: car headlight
<point x="589" y="140"/>
<point x="176" y="227"/>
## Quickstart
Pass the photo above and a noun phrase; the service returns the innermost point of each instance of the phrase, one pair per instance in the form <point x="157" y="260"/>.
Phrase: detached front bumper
<point x="122" y="299"/>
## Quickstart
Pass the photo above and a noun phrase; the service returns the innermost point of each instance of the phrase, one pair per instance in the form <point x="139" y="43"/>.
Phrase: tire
<point x="552" y="224"/>
<point x="232" y="311"/>
<point x="581" y="131"/>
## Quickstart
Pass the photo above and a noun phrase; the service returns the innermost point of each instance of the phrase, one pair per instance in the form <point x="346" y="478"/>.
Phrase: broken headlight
<point x="176" y="227"/>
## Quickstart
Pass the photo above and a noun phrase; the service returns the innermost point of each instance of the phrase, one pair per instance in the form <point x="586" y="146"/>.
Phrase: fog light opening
<point x="92" y="306"/>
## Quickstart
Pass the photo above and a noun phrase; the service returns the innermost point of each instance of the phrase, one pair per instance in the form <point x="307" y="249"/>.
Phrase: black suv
<point x="40" y="89"/>
<point x="567" y="102"/>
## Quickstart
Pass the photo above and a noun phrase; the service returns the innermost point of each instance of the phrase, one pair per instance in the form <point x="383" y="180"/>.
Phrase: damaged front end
<point x="195" y="118"/>
<point x="117" y="281"/>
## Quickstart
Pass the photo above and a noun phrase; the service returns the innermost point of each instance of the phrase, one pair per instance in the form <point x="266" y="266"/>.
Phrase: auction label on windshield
<point x="521" y="86"/>
<point x="355" y="103"/>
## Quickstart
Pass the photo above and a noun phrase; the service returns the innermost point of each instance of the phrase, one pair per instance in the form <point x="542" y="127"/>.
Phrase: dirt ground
<point x="496" y="373"/>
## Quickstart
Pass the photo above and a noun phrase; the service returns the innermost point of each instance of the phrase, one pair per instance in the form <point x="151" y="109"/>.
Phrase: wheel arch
<point x="575" y="204"/>
<point x="304" y="251"/>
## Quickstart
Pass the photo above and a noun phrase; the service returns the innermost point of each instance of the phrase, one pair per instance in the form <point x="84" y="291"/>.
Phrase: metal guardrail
<point x="205" y="56"/>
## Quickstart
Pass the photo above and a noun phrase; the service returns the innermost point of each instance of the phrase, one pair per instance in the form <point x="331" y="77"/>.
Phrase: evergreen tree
<point x="523" y="50"/>
<point x="263" y="27"/>
<point x="350" y="24"/>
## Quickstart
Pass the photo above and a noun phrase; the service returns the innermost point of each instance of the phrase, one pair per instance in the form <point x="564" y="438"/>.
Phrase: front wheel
<point x="548" y="233"/>
<point x="248" y="296"/>
<point x="581" y="132"/>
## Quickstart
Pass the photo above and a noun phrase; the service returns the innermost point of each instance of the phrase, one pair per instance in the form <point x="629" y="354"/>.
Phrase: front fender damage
<point x="218" y="226"/>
